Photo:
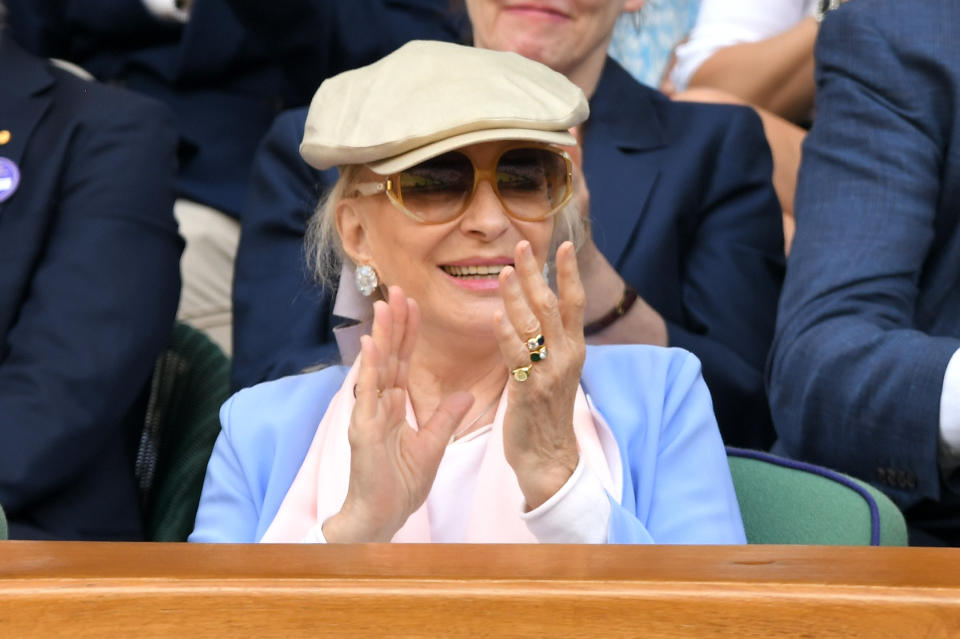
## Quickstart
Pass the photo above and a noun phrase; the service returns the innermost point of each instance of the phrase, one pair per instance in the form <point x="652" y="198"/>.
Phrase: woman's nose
<point x="485" y="215"/>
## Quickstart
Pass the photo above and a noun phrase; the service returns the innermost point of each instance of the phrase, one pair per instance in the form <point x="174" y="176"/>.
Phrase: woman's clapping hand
<point x="392" y="466"/>
<point x="538" y="436"/>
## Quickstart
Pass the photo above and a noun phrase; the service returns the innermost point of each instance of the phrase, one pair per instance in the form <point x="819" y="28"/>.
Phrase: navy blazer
<point x="681" y="204"/>
<point x="870" y="313"/>
<point x="89" y="283"/>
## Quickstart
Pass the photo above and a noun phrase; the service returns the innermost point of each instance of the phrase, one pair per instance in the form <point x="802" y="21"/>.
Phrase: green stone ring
<point x="539" y="355"/>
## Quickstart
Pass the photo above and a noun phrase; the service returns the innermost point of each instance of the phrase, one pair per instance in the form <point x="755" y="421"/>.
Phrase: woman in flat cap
<point x="474" y="412"/>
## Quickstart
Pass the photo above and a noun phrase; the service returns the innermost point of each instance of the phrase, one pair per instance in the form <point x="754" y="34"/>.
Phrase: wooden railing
<point x="50" y="589"/>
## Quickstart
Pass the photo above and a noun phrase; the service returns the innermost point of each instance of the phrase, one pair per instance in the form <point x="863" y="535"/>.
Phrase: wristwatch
<point x="824" y="7"/>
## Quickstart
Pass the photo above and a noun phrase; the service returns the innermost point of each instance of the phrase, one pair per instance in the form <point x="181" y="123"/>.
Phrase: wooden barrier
<point x="179" y="590"/>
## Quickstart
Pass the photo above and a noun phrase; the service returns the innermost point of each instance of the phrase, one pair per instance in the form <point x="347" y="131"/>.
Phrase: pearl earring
<point x="366" y="280"/>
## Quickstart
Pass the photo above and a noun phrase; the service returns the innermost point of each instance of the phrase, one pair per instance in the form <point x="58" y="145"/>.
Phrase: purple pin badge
<point x="9" y="178"/>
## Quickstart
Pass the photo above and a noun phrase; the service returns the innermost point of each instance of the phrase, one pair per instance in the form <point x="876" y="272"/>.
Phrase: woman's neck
<point x="439" y="367"/>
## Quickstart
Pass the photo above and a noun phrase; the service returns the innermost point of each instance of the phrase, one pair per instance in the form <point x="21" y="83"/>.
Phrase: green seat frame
<point x="788" y="502"/>
<point x="190" y="383"/>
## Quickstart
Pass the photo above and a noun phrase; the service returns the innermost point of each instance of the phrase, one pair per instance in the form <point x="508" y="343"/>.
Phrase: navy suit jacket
<point x="870" y="313"/>
<point x="681" y="204"/>
<point x="89" y="282"/>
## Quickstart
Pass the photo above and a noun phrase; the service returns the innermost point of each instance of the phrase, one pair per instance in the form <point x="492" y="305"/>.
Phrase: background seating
<point x="788" y="502"/>
<point x="190" y="382"/>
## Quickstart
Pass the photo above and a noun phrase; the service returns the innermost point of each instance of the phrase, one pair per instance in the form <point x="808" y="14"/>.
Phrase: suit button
<point x="882" y="475"/>
<point x="911" y="480"/>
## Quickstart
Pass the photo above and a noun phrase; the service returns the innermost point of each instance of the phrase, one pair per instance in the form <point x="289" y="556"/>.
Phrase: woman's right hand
<point x="392" y="466"/>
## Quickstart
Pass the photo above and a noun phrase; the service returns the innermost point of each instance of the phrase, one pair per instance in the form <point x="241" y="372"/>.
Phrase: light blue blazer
<point x="676" y="489"/>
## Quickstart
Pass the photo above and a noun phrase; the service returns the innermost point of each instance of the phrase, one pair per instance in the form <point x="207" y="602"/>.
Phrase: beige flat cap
<point x="427" y="98"/>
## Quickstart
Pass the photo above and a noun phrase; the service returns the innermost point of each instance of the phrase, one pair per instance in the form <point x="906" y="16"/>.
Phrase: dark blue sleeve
<point x="855" y="382"/>
<point x="314" y="39"/>
<point x="281" y="320"/>
<point x="101" y="302"/>
<point x="732" y="273"/>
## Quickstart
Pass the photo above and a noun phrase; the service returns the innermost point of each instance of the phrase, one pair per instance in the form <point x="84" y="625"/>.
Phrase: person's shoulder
<point x="682" y="125"/>
<point x="283" y="403"/>
<point x="638" y="361"/>
<point x="682" y="120"/>
<point x="94" y="102"/>
<point x="709" y="122"/>
<point x="909" y="30"/>
<point x="291" y="121"/>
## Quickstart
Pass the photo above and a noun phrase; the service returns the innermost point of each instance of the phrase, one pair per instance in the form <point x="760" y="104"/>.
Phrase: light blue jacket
<point x="676" y="483"/>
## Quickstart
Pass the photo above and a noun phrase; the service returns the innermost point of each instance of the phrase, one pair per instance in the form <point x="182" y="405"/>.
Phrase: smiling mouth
<point x="474" y="272"/>
<point x="532" y="8"/>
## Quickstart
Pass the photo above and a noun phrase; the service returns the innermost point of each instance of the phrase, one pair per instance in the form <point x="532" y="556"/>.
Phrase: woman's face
<point x="451" y="268"/>
<point x="562" y="34"/>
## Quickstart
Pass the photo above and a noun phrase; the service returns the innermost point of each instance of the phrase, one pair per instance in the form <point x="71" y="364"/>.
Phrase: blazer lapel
<point x="621" y="169"/>
<point x="22" y="102"/>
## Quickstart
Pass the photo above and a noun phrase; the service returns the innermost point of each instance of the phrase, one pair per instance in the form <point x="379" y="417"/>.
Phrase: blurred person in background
<point x="225" y="85"/>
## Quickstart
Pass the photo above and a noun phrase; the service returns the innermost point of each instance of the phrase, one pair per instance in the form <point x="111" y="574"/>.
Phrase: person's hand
<point x="538" y="438"/>
<point x="392" y="466"/>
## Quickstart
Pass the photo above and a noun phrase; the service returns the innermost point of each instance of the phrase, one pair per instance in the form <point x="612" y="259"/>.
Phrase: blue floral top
<point x="642" y="43"/>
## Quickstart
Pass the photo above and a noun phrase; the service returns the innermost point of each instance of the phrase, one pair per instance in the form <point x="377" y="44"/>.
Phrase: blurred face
<point x="449" y="268"/>
<point x="569" y="36"/>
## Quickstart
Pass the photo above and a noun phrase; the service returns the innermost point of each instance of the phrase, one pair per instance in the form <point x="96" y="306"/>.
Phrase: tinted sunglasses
<point x="532" y="182"/>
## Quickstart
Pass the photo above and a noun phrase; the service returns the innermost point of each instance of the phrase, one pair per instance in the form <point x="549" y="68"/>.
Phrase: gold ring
<point x="538" y="355"/>
<point x="521" y="374"/>
<point x="379" y="392"/>
<point x="535" y="343"/>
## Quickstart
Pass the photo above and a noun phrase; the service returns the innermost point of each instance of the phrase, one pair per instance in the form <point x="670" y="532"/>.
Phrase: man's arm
<point x="854" y="383"/>
<point x="758" y="50"/>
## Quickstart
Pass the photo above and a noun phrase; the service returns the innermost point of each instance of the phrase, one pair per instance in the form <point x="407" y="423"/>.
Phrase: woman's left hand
<point x="538" y="437"/>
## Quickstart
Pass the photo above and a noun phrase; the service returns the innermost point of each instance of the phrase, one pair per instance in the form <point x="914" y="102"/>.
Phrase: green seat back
<point x="190" y="382"/>
<point x="3" y="525"/>
<point x="788" y="502"/>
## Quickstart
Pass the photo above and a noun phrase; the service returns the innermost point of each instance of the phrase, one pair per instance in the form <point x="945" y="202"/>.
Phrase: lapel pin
<point x="9" y="178"/>
<point x="4" y="137"/>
